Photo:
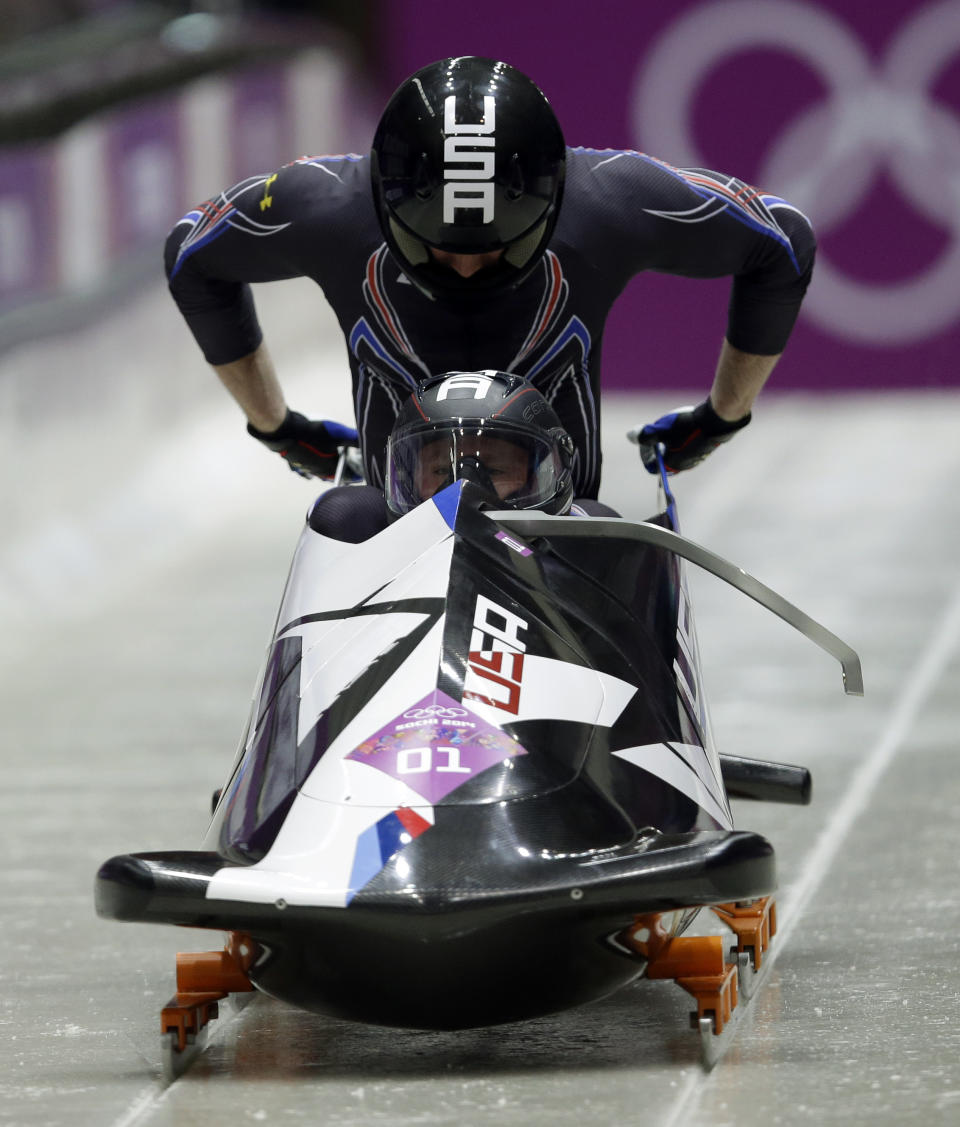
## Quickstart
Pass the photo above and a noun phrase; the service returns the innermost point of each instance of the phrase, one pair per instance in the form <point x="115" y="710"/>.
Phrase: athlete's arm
<point x="738" y="380"/>
<point x="689" y="434"/>
<point x="250" y="233"/>
<point x="310" y="447"/>
<point x="264" y="229"/>
<point x="253" y="383"/>
<point x="703" y="224"/>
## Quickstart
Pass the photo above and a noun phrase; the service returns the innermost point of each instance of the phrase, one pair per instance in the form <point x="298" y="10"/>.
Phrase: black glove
<point x="687" y="434"/>
<point x="310" y="448"/>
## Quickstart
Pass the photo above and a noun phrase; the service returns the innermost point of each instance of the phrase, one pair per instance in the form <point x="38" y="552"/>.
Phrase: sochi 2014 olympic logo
<point x="434" y="711"/>
<point x="877" y="117"/>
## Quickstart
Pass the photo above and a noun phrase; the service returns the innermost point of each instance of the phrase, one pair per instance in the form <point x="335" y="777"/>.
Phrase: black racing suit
<point x="622" y="213"/>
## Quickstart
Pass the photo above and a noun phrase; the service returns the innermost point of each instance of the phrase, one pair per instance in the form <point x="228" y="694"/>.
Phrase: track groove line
<point x="921" y="684"/>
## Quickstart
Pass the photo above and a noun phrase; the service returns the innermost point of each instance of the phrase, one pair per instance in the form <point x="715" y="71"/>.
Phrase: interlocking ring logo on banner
<point x="875" y="117"/>
<point x="434" y="710"/>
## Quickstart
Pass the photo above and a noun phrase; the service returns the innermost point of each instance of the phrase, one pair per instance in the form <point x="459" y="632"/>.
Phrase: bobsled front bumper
<point x="443" y="959"/>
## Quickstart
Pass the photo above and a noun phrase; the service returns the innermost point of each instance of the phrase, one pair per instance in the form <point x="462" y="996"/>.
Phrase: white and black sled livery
<point x="478" y="782"/>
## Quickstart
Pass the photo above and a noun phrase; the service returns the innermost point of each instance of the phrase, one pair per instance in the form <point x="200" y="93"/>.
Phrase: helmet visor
<point x="521" y="468"/>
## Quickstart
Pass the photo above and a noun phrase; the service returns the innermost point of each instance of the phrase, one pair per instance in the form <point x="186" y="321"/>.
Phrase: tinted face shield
<point x="519" y="468"/>
<point x="437" y="280"/>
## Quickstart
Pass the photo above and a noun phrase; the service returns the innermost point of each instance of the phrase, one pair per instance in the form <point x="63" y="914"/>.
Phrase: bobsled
<point x="478" y="784"/>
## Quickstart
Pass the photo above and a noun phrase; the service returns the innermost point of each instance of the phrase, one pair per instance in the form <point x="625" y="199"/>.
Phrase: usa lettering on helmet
<point x="464" y="144"/>
<point x="470" y="381"/>
<point x="452" y="127"/>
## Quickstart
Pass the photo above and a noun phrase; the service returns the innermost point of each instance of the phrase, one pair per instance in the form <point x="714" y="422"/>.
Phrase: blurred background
<point x="117" y="115"/>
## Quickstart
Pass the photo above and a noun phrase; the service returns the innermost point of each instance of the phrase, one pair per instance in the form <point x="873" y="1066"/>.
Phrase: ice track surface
<point x="129" y="655"/>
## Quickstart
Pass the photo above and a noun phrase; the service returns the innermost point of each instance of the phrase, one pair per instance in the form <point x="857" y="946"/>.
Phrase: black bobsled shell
<point x="547" y="924"/>
<point x="612" y="608"/>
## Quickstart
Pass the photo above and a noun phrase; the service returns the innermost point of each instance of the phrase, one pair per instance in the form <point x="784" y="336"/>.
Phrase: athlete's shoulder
<point x="583" y="157"/>
<point x="341" y="167"/>
<point x="622" y="181"/>
<point x="610" y="172"/>
<point x="313" y="182"/>
<point x="307" y="216"/>
<point x="326" y="200"/>
<point x="607" y="196"/>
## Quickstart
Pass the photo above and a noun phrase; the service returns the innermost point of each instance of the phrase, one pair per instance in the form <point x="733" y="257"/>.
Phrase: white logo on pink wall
<point x="879" y="117"/>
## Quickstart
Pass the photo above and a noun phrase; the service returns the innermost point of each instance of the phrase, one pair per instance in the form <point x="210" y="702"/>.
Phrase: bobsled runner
<point x="478" y="784"/>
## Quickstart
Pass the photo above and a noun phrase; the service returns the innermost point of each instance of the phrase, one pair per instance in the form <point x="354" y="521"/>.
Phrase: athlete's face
<point x="466" y="265"/>
<point x="505" y="462"/>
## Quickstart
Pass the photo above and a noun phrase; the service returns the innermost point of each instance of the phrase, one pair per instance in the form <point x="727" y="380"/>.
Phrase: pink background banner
<point x="27" y="232"/>
<point x="83" y="214"/>
<point x="144" y="154"/>
<point x="848" y="108"/>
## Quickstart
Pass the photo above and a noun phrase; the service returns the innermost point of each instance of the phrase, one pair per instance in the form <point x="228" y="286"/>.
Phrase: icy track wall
<point x="116" y="441"/>
<point x="848" y="110"/>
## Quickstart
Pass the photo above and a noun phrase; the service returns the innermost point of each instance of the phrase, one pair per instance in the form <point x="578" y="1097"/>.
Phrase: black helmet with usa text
<point x="468" y="158"/>
<point x="491" y="428"/>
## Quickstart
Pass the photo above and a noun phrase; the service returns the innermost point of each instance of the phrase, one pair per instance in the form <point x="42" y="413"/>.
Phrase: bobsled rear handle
<point x="765" y="781"/>
<point x="540" y="524"/>
<point x="350" y="463"/>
